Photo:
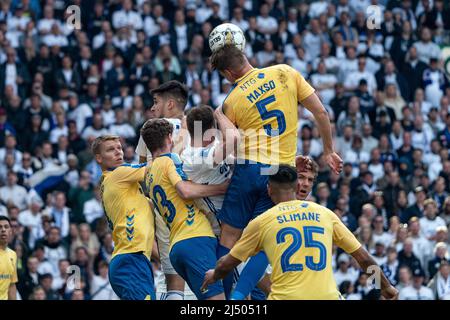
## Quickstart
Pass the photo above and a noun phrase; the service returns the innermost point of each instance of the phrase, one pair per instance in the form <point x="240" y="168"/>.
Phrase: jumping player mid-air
<point x="263" y="104"/>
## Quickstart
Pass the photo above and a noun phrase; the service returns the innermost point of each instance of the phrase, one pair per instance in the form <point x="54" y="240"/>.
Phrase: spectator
<point x="352" y="116"/>
<point x="345" y="271"/>
<point x="32" y="220"/>
<point x="430" y="222"/>
<point x="353" y="79"/>
<point x="46" y="282"/>
<point x="324" y="82"/>
<point x="440" y="255"/>
<point x="426" y="48"/>
<point x="440" y="284"/>
<point x="54" y="250"/>
<point x="68" y="76"/>
<point x="435" y="82"/>
<point x="79" y="196"/>
<point x="101" y="288"/>
<point x="416" y="291"/>
<point x="86" y="240"/>
<point x="13" y="193"/>
<point x="267" y="25"/>
<point x="347" y="289"/>
<point x="60" y="281"/>
<point x="60" y="214"/>
<point x="30" y="279"/>
<point x="404" y="277"/>
<point x="379" y="235"/>
<point x="406" y="256"/>
<point x="391" y="266"/>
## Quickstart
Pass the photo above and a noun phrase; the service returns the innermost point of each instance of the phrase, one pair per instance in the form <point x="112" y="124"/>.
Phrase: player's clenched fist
<point x="390" y="293"/>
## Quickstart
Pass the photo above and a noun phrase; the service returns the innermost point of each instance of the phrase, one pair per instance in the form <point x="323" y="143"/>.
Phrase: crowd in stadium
<point x="384" y="87"/>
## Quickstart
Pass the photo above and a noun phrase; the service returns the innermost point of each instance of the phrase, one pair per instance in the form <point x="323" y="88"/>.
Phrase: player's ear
<point x="269" y="190"/>
<point x="98" y="158"/>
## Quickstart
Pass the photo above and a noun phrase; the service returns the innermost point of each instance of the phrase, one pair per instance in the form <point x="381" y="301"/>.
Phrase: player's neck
<point x="247" y="67"/>
<point x="284" y="198"/>
<point x="3" y="246"/>
<point x="177" y="114"/>
<point x="161" y="151"/>
<point x="106" y="168"/>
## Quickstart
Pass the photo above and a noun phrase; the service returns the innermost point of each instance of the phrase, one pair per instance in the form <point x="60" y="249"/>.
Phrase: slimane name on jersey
<point x="300" y="216"/>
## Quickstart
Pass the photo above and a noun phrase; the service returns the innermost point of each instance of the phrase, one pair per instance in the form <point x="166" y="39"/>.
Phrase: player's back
<point x="298" y="237"/>
<point x="263" y="104"/>
<point x="182" y="217"/>
<point x="198" y="164"/>
<point x="127" y="209"/>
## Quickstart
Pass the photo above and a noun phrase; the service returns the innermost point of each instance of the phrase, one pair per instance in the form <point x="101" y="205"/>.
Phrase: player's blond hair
<point x="96" y="145"/>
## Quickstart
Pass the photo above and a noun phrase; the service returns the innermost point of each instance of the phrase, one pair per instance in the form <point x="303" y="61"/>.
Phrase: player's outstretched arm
<point x="366" y="261"/>
<point x="314" y="105"/>
<point x="189" y="190"/>
<point x="224" y="266"/>
<point x="12" y="292"/>
<point x="230" y="135"/>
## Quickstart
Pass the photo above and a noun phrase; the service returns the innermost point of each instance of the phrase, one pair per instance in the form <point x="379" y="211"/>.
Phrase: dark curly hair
<point x="154" y="131"/>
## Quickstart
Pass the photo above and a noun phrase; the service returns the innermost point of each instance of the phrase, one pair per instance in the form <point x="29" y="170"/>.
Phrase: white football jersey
<point x="141" y="149"/>
<point x="198" y="164"/>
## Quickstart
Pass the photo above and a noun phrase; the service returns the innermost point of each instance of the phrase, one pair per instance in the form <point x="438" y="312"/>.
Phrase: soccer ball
<point x="226" y="33"/>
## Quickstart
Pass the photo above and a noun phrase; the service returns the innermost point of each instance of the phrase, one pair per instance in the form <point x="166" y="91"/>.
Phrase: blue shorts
<point x="131" y="277"/>
<point x="191" y="258"/>
<point x="246" y="197"/>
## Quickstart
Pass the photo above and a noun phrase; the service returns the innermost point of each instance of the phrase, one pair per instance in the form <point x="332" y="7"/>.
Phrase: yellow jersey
<point x="8" y="271"/>
<point x="263" y="104"/>
<point x="183" y="218"/>
<point x="127" y="210"/>
<point x="297" y="237"/>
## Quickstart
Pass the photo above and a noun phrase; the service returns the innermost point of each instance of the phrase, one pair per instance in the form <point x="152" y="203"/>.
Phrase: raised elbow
<point x="183" y="191"/>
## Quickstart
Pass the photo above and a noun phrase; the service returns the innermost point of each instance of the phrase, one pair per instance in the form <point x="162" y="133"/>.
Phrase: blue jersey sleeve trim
<point x="134" y="166"/>
<point x="178" y="164"/>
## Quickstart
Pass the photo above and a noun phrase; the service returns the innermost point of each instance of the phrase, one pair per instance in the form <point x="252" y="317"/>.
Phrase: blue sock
<point x="250" y="276"/>
<point x="228" y="280"/>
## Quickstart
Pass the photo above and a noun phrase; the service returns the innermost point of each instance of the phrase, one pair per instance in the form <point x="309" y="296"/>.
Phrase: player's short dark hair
<point x="175" y="90"/>
<point x="285" y="176"/>
<point x="202" y="114"/>
<point x="227" y="57"/>
<point x="154" y="131"/>
<point x="5" y="218"/>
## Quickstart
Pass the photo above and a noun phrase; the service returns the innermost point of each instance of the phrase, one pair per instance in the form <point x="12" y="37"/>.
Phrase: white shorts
<point x="162" y="234"/>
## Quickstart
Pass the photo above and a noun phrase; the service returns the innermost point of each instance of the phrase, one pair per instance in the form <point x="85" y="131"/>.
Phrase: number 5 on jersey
<point x="266" y="114"/>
